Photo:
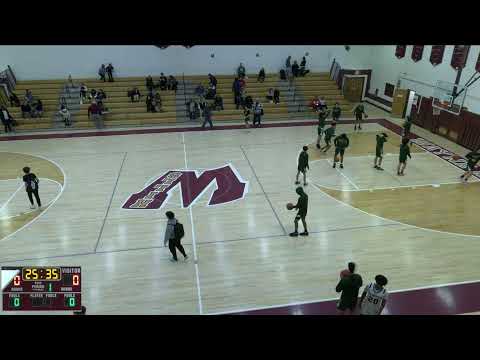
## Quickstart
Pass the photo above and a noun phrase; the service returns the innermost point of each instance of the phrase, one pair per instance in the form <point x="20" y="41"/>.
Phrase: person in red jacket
<point x="95" y="113"/>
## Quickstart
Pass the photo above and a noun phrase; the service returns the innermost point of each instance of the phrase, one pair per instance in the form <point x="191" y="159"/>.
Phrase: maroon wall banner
<point x="417" y="52"/>
<point x="400" y="51"/>
<point x="436" y="56"/>
<point x="477" y="65"/>
<point x="459" y="56"/>
<point x="229" y="187"/>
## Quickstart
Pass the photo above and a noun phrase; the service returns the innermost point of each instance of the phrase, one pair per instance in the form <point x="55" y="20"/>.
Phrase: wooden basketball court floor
<point x="419" y="230"/>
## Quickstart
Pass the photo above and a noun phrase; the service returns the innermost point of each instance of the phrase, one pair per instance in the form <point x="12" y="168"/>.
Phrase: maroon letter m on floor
<point x="229" y="187"/>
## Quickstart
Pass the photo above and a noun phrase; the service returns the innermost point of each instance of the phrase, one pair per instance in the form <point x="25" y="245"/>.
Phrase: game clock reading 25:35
<point x="41" y="273"/>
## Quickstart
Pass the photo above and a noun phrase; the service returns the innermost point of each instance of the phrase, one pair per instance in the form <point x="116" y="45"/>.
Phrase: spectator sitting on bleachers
<point x="37" y="109"/>
<point x="83" y="93"/>
<point x="135" y="94"/>
<point x="101" y="95"/>
<point x="270" y="95"/>
<point x="303" y="71"/>
<point x="315" y="104"/>
<point x="93" y="94"/>
<point x="193" y="109"/>
<point x="212" y="79"/>
<point x="276" y="96"/>
<point x="150" y="103"/>
<point x="14" y="101"/>
<point x="200" y="90"/>
<point x="95" y="113"/>
<point x="212" y="91"/>
<point x="26" y="109"/>
<point x="295" y="69"/>
<point x="218" y="103"/>
<point x="172" y="83"/>
<point x="157" y="102"/>
<point x="28" y="96"/>
<point x="149" y="83"/>
<point x="241" y="71"/>
<point x="162" y="83"/>
<point x="261" y="75"/>
<point x="65" y="114"/>
<point x="323" y="103"/>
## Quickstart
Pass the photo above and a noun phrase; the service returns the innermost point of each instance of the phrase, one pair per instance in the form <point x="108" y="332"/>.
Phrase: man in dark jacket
<point x="171" y="238"/>
<point x="349" y="286"/>
<point x="109" y="70"/>
<point x="302" y="206"/>
<point x="6" y="119"/>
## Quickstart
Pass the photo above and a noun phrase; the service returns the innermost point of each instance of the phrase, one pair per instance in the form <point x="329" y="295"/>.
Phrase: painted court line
<point x="195" y="257"/>
<point x="345" y="176"/>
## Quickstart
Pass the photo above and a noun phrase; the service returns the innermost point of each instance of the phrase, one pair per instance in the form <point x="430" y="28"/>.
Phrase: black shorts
<point x="302" y="170"/>
<point x="402" y="160"/>
<point x="343" y="305"/>
<point x="340" y="151"/>
<point x="378" y="152"/>
<point x="300" y="216"/>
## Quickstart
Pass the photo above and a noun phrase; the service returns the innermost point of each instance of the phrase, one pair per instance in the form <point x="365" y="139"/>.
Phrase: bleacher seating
<point x="293" y="104"/>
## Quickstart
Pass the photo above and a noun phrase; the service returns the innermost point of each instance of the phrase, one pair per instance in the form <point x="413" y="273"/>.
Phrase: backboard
<point x="449" y="97"/>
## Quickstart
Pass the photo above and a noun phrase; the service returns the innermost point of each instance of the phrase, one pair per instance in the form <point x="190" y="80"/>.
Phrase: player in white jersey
<point x="374" y="297"/>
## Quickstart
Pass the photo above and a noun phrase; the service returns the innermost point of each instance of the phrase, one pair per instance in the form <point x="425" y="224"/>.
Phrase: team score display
<point x="37" y="274"/>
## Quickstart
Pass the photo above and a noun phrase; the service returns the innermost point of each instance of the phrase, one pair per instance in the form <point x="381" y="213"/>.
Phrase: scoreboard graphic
<point x="33" y="288"/>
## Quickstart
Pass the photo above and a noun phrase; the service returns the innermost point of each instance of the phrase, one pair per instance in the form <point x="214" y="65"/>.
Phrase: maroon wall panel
<point x="436" y="56"/>
<point x="400" y="51"/>
<point x="459" y="56"/>
<point x="417" y="52"/>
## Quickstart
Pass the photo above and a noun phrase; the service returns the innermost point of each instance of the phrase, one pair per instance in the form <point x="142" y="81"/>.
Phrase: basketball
<point x="290" y="206"/>
<point x="456" y="157"/>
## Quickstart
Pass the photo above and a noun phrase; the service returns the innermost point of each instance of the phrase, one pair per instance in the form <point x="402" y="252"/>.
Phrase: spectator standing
<point x="374" y="297"/>
<point x="257" y="113"/>
<point x="261" y="75"/>
<point x="173" y="236"/>
<point x="241" y="71"/>
<point x="65" y="115"/>
<point x="172" y="83"/>
<point x="207" y="116"/>
<point x="150" y="103"/>
<point x="162" y="83"/>
<point x="83" y="93"/>
<point x="295" y="69"/>
<point x="31" y="187"/>
<point x="157" y="102"/>
<point x="288" y="65"/>
<point x="102" y="71"/>
<point x="6" y="118"/>
<point x="236" y="91"/>
<point x="109" y="70"/>
<point x="149" y="83"/>
<point x="95" y="114"/>
<point x="349" y="286"/>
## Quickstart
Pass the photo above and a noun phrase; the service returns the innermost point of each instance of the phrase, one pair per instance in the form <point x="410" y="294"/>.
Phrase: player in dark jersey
<point x="381" y="139"/>
<point x="322" y="116"/>
<point x="402" y="160"/>
<point x="302" y="206"/>
<point x="329" y="134"/>
<point x="31" y="186"/>
<point x="302" y="166"/>
<point x="407" y="125"/>
<point x="349" y="286"/>
<point x="473" y="158"/>
<point x="341" y="143"/>
<point x="359" y="111"/>
<point x="336" y="112"/>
